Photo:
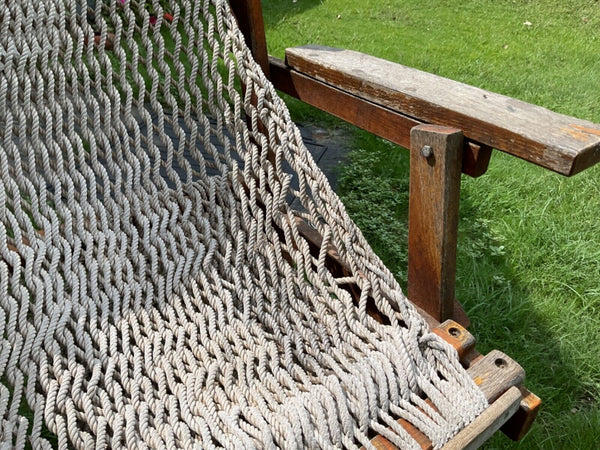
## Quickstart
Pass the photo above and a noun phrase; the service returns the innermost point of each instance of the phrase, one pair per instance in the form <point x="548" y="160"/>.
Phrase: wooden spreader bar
<point x="564" y="144"/>
<point x="494" y="373"/>
<point x="500" y="379"/>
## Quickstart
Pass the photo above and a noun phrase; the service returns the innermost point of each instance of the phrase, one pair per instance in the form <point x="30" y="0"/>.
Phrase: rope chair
<point x="156" y="289"/>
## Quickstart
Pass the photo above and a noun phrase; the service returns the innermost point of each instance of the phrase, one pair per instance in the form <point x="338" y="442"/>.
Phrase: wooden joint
<point x="476" y="159"/>
<point x="456" y="335"/>
<point x="495" y="373"/>
<point x="520" y="423"/>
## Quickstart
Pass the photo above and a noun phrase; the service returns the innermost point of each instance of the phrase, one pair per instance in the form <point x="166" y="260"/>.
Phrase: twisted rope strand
<point x="155" y="290"/>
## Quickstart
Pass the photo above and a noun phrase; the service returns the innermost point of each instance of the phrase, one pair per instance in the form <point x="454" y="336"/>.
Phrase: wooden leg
<point x="249" y="16"/>
<point x="520" y="424"/>
<point x="435" y="170"/>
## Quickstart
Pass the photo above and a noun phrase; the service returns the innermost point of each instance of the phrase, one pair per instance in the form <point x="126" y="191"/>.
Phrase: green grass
<point x="529" y="244"/>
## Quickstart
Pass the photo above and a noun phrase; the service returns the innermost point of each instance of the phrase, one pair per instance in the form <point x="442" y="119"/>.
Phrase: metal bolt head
<point x="427" y="151"/>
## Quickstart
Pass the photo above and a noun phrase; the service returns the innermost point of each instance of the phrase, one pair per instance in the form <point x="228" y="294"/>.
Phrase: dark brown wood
<point x="476" y="159"/>
<point x="495" y="373"/>
<point x="520" y="423"/>
<point x="460" y="315"/>
<point x="561" y="143"/>
<point x="377" y="119"/>
<point x="470" y="358"/>
<point x="433" y="218"/>
<point x="248" y="14"/>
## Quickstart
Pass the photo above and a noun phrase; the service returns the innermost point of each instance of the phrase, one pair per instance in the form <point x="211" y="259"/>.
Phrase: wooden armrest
<point x="564" y="144"/>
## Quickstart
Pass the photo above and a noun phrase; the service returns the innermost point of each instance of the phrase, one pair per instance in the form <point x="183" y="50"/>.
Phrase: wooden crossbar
<point x="377" y="119"/>
<point x="564" y="144"/>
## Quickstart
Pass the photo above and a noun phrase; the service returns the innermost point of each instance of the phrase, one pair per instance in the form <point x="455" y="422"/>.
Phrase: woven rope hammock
<point x="155" y="289"/>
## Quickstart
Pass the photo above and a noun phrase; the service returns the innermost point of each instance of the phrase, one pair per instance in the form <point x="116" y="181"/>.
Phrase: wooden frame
<point x="450" y="129"/>
<point x="495" y="374"/>
<point x="388" y="105"/>
<point x="435" y="169"/>
<point x="390" y="100"/>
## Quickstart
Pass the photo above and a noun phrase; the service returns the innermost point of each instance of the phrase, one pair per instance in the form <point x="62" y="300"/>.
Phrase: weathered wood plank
<point x="433" y="217"/>
<point x="487" y="423"/>
<point x="561" y="143"/>
<point x="456" y="335"/>
<point x="495" y="373"/>
<point x="377" y="119"/>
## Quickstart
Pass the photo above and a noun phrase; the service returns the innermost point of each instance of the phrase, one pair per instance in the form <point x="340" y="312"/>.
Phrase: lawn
<point x="529" y="244"/>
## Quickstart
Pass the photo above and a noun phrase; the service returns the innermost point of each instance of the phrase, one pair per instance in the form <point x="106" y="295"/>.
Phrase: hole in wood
<point x="427" y="151"/>
<point x="454" y="331"/>
<point x="500" y="362"/>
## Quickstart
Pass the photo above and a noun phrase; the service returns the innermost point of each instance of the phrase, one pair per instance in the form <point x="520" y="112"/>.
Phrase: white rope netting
<point x="155" y="289"/>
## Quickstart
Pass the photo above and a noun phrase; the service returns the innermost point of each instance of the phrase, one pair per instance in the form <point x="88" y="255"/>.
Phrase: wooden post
<point x="435" y="169"/>
<point x="250" y="20"/>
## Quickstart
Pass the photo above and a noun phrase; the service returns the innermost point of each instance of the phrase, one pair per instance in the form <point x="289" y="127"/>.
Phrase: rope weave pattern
<point x="155" y="290"/>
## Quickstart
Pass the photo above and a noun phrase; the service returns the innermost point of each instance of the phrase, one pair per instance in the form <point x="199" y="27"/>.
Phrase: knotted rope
<point x="155" y="289"/>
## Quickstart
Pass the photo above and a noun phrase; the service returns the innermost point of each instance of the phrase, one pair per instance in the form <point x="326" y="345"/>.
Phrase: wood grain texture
<point x="561" y="143"/>
<point x="381" y="443"/>
<point x="377" y="119"/>
<point x="487" y="423"/>
<point x="520" y="423"/>
<point x="495" y="373"/>
<point x="248" y="14"/>
<point x="464" y="343"/>
<point x="459" y="316"/>
<point x="456" y="335"/>
<point x="433" y="218"/>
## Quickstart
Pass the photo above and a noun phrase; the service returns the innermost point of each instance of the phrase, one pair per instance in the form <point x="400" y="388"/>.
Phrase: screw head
<point x="427" y="151"/>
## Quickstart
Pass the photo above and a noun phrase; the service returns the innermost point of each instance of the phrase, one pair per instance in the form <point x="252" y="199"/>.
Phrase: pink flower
<point x="152" y="20"/>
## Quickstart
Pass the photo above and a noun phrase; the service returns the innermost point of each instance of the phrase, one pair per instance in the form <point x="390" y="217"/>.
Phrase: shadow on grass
<point x="374" y="188"/>
<point x="506" y="314"/>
